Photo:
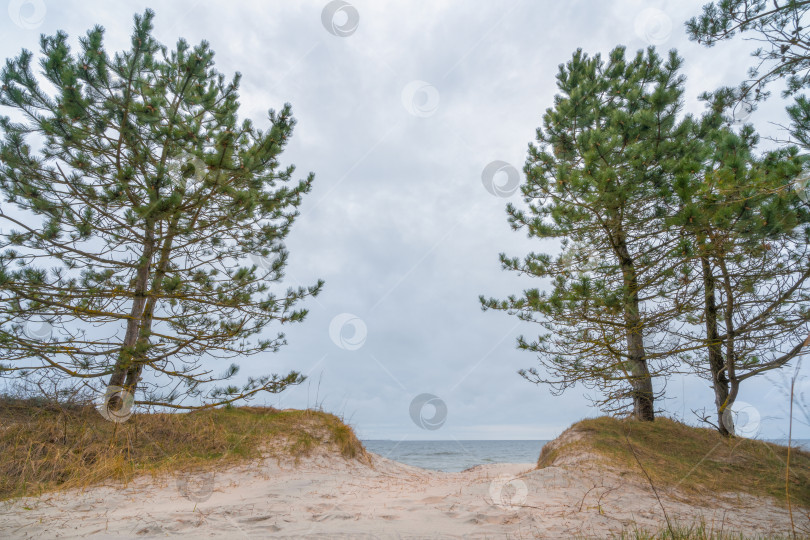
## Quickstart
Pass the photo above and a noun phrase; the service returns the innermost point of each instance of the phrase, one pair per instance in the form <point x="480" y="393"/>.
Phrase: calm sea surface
<point x="454" y="456"/>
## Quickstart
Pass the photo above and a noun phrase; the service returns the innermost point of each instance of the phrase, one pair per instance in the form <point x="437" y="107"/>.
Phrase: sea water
<point x="454" y="456"/>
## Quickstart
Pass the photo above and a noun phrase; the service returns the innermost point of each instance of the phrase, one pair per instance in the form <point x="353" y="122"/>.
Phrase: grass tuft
<point x="699" y="531"/>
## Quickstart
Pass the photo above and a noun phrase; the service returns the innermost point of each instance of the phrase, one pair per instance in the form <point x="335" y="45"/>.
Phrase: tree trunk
<point x="124" y="364"/>
<point x="730" y="337"/>
<point x="128" y="369"/>
<point x="720" y="382"/>
<point x="136" y="369"/>
<point x="643" y="406"/>
<point x="641" y="382"/>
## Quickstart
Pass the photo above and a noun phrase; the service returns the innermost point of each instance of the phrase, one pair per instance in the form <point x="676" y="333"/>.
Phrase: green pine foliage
<point x="144" y="221"/>
<point x="744" y="243"/>
<point x="598" y="179"/>
<point x="681" y="249"/>
<point x="780" y="30"/>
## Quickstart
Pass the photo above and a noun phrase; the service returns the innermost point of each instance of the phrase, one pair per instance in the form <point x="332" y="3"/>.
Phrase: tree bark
<point x="133" y="375"/>
<point x="720" y="382"/>
<point x="730" y="337"/>
<point x="124" y="363"/>
<point x="641" y="382"/>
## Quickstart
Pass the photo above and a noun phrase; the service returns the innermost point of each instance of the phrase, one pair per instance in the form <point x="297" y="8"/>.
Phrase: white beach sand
<point x="329" y="497"/>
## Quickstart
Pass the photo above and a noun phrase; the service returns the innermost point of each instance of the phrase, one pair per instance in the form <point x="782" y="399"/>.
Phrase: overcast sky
<point x="401" y="109"/>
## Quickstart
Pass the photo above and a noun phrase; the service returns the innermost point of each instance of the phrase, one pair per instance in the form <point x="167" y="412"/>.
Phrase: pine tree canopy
<point x="144" y="223"/>
<point x="599" y="178"/>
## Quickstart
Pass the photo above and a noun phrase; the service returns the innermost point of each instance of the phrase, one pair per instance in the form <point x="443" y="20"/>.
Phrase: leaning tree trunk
<point x="133" y="375"/>
<point x="720" y="382"/>
<point x="730" y="353"/>
<point x="124" y="364"/>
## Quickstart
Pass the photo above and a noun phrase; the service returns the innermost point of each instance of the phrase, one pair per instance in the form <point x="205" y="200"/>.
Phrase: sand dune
<point x="329" y="497"/>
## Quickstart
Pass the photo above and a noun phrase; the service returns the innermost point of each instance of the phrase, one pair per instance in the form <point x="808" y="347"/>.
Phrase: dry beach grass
<point x="47" y="446"/>
<point x="699" y="462"/>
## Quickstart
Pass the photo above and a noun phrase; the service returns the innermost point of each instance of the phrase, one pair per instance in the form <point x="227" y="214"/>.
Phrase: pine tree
<point x="745" y="250"/>
<point x="764" y="314"/>
<point x="597" y="179"/>
<point x="132" y="224"/>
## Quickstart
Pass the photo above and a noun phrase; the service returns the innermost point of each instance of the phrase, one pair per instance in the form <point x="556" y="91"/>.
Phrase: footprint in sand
<point x="254" y="519"/>
<point x="480" y="519"/>
<point x="151" y="530"/>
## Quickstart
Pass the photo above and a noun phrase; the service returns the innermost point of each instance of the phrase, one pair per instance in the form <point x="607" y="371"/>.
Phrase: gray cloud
<point x="399" y="223"/>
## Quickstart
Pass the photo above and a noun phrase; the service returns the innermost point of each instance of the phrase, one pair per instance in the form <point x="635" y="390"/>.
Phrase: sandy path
<point x="333" y="498"/>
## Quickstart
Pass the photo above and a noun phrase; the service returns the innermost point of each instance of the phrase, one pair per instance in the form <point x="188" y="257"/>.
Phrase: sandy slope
<point x="329" y="497"/>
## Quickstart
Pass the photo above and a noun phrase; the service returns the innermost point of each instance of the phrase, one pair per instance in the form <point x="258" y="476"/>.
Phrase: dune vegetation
<point x="697" y="461"/>
<point x="47" y="447"/>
